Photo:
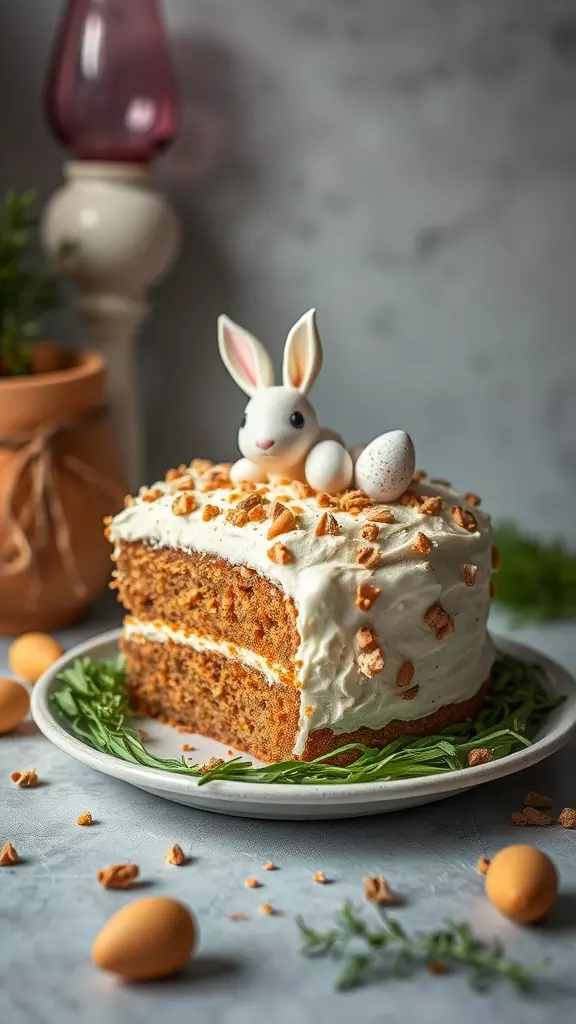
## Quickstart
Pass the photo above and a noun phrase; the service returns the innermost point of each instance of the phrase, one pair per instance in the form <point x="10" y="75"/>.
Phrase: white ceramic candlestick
<point x="125" y="237"/>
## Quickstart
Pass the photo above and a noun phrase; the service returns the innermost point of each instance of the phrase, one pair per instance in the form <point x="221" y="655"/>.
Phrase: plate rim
<point x="227" y="791"/>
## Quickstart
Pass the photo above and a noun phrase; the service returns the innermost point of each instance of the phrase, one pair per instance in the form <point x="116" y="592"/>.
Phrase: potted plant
<point x="59" y="469"/>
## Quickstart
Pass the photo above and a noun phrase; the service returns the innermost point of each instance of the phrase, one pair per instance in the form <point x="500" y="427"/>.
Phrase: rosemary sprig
<point x="92" y="698"/>
<point x="537" y="579"/>
<point x="390" y="951"/>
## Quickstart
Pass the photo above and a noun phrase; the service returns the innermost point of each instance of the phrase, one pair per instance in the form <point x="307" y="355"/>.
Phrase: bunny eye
<point x="243" y="423"/>
<point x="297" y="420"/>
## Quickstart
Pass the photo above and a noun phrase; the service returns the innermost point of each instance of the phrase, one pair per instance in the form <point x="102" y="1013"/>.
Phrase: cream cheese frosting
<point x="322" y="580"/>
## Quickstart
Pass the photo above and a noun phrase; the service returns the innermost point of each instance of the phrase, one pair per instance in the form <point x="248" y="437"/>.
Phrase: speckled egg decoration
<point x="385" y="467"/>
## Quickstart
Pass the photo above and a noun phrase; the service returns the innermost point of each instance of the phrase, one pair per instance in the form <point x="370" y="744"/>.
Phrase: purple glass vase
<point x="110" y="92"/>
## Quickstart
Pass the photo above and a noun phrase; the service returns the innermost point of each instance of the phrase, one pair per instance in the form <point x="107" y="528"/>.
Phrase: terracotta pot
<point x="60" y="474"/>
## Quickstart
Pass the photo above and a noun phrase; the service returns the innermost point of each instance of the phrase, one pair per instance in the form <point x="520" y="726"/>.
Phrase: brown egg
<point x="522" y="882"/>
<point x="32" y="653"/>
<point x="14" y="704"/>
<point x="149" y="938"/>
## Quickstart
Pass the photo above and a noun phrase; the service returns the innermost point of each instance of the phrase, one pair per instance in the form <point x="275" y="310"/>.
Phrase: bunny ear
<point x="302" y="354"/>
<point x="245" y="358"/>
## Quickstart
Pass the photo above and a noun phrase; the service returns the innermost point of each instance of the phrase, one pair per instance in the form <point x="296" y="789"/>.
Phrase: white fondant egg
<point x="329" y="467"/>
<point x="385" y="467"/>
<point x="243" y="469"/>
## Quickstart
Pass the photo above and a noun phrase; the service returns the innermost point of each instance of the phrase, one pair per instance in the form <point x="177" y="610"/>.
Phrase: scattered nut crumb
<point x="238" y="917"/>
<point x="25" y="779"/>
<point x="530" y="816"/>
<point x="370" y="663"/>
<point x="266" y="908"/>
<point x="187" y="746"/>
<point x="210" y="512"/>
<point x="320" y="877"/>
<point x="176" y="855"/>
<point x="537" y="800"/>
<point x="482" y="865"/>
<point x="280" y="554"/>
<point x="437" y="967"/>
<point x="324" y="500"/>
<point x="370" y="532"/>
<point x="213" y="762"/>
<point x="183" y="505"/>
<point x="252" y="883"/>
<point x="8" y="856"/>
<point x="377" y="890"/>
<point x="257" y="514"/>
<point x="405" y="674"/>
<point x="366" y="637"/>
<point x="284" y="522"/>
<point x="369" y="556"/>
<point x="472" y="499"/>
<point x="270" y="866"/>
<point x="327" y="525"/>
<point x="175" y="474"/>
<point x="480" y="755"/>
<point x="567" y="817"/>
<point x="431" y="506"/>
<point x="185" y="484"/>
<point x="469" y="574"/>
<point x="366" y="594"/>
<point x="380" y="514"/>
<point x="303" y="490"/>
<point x="438" y="619"/>
<point x="151" y="495"/>
<point x="118" y="876"/>
<point x="422" y="544"/>
<point x="85" y="819"/>
<point x="464" y="518"/>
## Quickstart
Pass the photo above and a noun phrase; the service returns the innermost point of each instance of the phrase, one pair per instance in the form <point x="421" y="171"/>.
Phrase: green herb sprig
<point x="92" y="698"/>
<point x="537" y="579"/>
<point x="390" y="951"/>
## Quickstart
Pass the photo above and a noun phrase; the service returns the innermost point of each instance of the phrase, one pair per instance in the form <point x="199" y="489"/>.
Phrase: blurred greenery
<point x="537" y="579"/>
<point x="29" y="284"/>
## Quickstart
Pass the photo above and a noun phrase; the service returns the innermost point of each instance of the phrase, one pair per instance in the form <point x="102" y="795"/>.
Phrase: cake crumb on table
<point x="270" y="866"/>
<point x="176" y="855"/>
<point x="266" y="908"/>
<point x="538" y="800"/>
<point x="25" y="779"/>
<point x="252" y="883"/>
<point x="377" y="890"/>
<point x="567" y="817"/>
<point x="187" y="746"/>
<point x="238" y="917"/>
<point x="8" y="856"/>
<point x="118" y="876"/>
<point x="482" y="865"/>
<point x="85" y="819"/>
<point x="320" y="877"/>
<point x="530" y="816"/>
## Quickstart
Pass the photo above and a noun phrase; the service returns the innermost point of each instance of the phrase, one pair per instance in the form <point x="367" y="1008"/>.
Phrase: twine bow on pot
<point x="29" y="527"/>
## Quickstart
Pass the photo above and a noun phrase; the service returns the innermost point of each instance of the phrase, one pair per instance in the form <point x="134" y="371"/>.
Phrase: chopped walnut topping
<point x="237" y="516"/>
<point x="411" y="693"/>
<point x="377" y="890"/>
<point x="183" y="505"/>
<point x="309" y="710"/>
<point x="537" y="800"/>
<point x="446" y="629"/>
<point x="118" y="876"/>
<point x="495" y="558"/>
<point x="431" y="506"/>
<point x="355" y="501"/>
<point x="438" y="619"/>
<point x="410" y="500"/>
<point x="266" y="908"/>
<point x="369" y="556"/>
<point x="186" y="483"/>
<point x="405" y="674"/>
<point x="85" y="819"/>
<point x="366" y="637"/>
<point x="482" y="865"/>
<point x="327" y="525"/>
<point x="152" y="495"/>
<point x="303" y="490"/>
<point x="325" y="500"/>
<point x="8" y="856"/>
<point x="370" y="663"/>
<point x="472" y="499"/>
<point x="285" y="522"/>
<point x="366" y="594"/>
<point x="187" y="746"/>
<point x="212" y="762"/>
<point x="464" y="518"/>
<point x="175" y="474"/>
<point x="25" y="779"/>
<point x="422" y="544"/>
<point x="380" y="514"/>
<point x="280" y="554"/>
<point x="252" y="501"/>
<point x="252" y="883"/>
<point x="530" y="816"/>
<point x="297" y="510"/>
<point x="370" y="532"/>
<point x="176" y="855"/>
<point x="567" y="817"/>
<point x="201" y="466"/>
<point x="210" y="512"/>
<point x="320" y="877"/>
<point x="270" y="866"/>
<point x="238" y="917"/>
<point x="480" y="755"/>
<point x="257" y="514"/>
<point x="418" y="475"/>
<point x="469" y="574"/>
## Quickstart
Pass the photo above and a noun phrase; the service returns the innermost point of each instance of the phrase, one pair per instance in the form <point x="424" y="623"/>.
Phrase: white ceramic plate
<point x="284" y="801"/>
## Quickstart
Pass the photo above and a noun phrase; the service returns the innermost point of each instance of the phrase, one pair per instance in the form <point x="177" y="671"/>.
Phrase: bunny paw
<point x="329" y="467"/>
<point x="385" y="467"/>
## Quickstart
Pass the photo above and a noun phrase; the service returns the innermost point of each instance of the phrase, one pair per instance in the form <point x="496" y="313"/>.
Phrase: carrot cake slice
<point x="286" y="622"/>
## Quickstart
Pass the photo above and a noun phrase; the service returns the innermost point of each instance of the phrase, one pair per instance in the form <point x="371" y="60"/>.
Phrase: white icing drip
<point x="161" y="633"/>
<point x="322" y="581"/>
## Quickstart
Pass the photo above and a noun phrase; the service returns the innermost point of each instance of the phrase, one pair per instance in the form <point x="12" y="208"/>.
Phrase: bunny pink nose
<point x="265" y="444"/>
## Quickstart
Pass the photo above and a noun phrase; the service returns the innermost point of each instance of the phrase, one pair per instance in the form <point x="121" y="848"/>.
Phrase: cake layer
<point x="211" y="694"/>
<point x="210" y="597"/>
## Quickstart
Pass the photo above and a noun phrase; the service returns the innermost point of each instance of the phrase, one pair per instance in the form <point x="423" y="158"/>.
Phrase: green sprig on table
<point x="93" y="700"/>
<point x="537" y="579"/>
<point x="389" y="951"/>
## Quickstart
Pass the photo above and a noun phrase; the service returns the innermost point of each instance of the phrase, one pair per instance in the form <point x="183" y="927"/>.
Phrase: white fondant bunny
<point x="279" y="435"/>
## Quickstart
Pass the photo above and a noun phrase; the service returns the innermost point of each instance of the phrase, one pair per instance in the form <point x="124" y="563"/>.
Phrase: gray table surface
<point x="248" y="972"/>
